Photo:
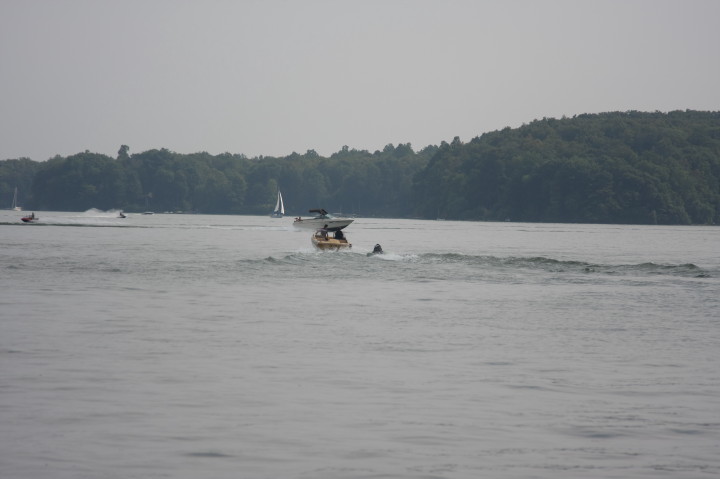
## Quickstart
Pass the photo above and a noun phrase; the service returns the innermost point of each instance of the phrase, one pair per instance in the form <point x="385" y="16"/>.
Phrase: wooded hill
<point x="631" y="167"/>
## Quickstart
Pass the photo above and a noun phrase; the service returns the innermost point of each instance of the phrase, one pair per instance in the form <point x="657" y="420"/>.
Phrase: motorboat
<point x="30" y="218"/>
<point x="322" y="240"/>
<point x="322" y="219"/>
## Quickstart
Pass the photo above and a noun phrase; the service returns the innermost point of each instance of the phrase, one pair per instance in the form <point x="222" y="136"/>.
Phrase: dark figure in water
<point x="377" y="249"/>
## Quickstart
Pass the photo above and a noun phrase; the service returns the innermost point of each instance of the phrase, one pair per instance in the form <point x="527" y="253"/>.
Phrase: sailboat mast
<point x="15" y="206"/>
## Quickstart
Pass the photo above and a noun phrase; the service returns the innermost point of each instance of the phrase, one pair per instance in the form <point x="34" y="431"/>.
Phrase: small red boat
<point x="30" y="218"/>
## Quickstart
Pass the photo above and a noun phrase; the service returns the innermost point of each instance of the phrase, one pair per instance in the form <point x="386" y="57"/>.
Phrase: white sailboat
<point x="15" y="206"/>
<point x="279" y="207"/>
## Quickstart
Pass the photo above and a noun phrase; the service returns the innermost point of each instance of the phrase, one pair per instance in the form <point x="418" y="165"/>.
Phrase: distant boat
<point x="15" y="206"/>
<point x="30" y="218"/>
<point x="279" y="207"/>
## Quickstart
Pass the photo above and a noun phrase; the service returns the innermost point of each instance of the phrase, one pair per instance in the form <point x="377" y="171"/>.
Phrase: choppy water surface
<point x="224" y="346"/>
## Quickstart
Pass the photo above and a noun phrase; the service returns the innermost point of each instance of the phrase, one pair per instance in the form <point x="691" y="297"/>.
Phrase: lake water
<point x="191" y="346"/>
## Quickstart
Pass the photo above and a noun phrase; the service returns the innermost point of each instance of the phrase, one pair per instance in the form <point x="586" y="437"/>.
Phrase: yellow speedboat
<point x="322" y="240"/>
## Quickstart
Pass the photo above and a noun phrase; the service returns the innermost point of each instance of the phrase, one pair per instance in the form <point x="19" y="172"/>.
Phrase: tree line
<point x="618" y="167"/>
<point x="353" y="181"/>
<point x="632" y="167"/>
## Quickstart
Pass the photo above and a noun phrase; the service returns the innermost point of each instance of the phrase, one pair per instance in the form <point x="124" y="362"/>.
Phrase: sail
<point x="15" y="206"/>
<point x="279" y="207"/>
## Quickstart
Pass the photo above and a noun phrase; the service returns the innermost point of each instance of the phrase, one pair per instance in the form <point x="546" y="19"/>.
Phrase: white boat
<point x="15" y="206"/>
<point x="324" y="220"/>
<point x="279" y="207"/>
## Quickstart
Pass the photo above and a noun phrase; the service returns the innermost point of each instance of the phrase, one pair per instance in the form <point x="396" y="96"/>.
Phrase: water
<point x="184" y="346"/>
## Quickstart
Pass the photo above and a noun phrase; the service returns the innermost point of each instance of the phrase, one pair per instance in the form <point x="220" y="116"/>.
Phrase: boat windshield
<point x="321" y="213"/>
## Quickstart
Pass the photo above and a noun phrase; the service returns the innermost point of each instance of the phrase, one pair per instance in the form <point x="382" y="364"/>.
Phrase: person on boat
<point x="324" y="232"/>
<point x="377" y="249"/>
<point x="339" y="235"/>
<point x="32" y="216"/>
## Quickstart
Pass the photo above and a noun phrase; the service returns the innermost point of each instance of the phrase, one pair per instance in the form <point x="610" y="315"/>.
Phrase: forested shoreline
<point x="619" y="167"/>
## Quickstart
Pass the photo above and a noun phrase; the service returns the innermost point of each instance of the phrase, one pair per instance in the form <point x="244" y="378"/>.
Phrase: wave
<point x="560" y="266"/>
<point x="350" y="260"/>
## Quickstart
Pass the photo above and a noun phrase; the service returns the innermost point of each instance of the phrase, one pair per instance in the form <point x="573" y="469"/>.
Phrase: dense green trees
<point x="351" y="180"/>
<point x="17" y="174"/>
<point x="80" y="180"/>
<point x="617" y="167"/>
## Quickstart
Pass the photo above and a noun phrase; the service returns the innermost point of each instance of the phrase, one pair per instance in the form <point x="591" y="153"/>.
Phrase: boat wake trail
<point x="448" y="265"/>
<point x="560" y="266"/>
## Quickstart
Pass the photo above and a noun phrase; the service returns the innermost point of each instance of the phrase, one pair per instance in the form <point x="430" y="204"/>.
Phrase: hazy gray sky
<point x="270" y="77"/>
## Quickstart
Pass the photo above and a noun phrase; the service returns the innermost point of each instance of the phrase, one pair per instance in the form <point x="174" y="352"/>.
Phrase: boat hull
<point x="29" y="219"/>
<point x="322" y="243"/>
